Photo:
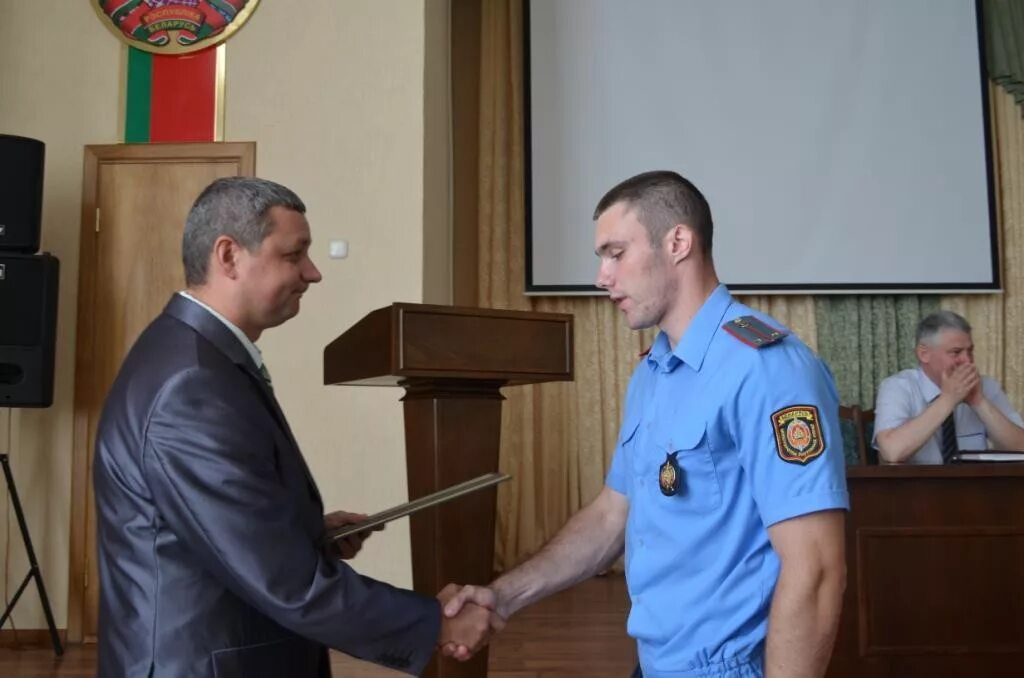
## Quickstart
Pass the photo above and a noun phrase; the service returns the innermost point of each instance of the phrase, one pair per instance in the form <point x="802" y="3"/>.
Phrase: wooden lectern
<point x="452" y="363"/>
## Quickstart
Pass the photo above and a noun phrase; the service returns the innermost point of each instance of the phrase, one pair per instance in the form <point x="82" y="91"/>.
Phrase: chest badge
<point x="670" y="475"/>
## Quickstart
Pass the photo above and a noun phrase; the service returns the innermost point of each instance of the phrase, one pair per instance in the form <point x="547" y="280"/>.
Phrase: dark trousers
<point x="637" y="673"/>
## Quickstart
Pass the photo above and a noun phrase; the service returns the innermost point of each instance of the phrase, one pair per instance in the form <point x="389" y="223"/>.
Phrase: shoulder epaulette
<point x="753" y="332"/>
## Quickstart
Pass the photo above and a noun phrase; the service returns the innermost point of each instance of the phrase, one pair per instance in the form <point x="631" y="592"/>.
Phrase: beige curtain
<point x="557" y="439"/>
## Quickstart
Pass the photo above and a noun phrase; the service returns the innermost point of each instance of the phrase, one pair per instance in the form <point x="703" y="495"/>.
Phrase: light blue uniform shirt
<point x="700" y="569"/>
<point x="250" y="348"/>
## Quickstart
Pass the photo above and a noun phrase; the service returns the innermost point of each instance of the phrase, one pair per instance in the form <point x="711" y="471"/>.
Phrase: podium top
<point x="404" y="342"/>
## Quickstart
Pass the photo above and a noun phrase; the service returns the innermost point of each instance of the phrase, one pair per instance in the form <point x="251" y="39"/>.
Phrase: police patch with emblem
<point x="798" y="437"/>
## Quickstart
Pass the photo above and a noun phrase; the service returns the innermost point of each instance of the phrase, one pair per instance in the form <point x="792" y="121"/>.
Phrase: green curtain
<point x="1004" y="45"/>
<point x="865" y="338"/>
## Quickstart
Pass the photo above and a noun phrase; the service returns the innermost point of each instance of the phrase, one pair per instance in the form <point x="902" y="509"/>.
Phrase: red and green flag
<point x="173" y="97"/>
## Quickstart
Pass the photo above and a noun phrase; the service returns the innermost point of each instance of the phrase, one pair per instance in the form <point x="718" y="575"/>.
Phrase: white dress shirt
<point x="906" y="394"/>
<point x="250" y="347"/>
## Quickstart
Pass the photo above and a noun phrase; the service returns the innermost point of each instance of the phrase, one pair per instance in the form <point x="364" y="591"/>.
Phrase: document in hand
<point x="439" y="497"/>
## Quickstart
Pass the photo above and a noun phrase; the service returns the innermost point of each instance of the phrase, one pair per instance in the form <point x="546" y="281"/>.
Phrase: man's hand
<point x="975" y="396"/>
<point x="348" y="547"/>
<point x="458" y="602"/>
<point x="456" y="596"/>
<point x="962" y="383"/>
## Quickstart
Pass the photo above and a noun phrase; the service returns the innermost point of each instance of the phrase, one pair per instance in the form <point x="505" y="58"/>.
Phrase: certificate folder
<point x="439" y="497"/>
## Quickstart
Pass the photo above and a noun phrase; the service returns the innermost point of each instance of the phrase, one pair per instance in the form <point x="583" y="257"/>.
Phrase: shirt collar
<point x="695" y="342"/>
<point x="929" y="389"/>
<point x="250" y="347"/>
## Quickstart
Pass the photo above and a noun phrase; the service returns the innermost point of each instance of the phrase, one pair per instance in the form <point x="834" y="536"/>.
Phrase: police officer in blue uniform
<point x="727" y="487"/>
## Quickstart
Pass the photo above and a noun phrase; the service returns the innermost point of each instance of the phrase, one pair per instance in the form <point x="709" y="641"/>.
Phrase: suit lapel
<point x="214" y="331"/>
<point x="275" y="408"/>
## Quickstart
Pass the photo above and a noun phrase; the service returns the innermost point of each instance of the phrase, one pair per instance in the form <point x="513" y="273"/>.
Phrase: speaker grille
<point x="28" y="323"/>
<point x="21" y="302"/>
<point x="21" y="192"/>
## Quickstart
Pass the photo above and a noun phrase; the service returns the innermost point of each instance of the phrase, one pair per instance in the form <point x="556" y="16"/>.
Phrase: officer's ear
<point x="679" y="242"/>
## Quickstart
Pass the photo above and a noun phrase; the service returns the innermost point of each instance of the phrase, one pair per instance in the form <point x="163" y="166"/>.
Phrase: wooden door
<point x="134" y="202"/>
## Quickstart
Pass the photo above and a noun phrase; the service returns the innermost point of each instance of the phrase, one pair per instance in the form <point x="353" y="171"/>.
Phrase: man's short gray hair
<point x="237" y="207"/>
<point x="929" y="328"/>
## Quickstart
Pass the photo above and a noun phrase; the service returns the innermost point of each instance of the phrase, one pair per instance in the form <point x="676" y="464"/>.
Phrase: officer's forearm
<point x="803" y="621"/>
<point x="587" y="544"/>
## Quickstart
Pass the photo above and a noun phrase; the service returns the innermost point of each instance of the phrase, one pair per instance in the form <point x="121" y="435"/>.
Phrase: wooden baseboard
<point x="29" y="637"/>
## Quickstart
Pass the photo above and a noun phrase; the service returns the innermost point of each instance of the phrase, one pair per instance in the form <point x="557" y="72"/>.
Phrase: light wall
<point x="60" y="82"/>
<point x="338" y="112"/>
<point x="347" y="102"/>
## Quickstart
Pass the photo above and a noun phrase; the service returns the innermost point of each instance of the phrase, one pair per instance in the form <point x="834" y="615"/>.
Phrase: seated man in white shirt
<point x="925" y="415"/>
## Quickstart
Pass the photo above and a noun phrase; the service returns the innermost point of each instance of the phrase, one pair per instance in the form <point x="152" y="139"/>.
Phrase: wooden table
<point x="936" y="573"/>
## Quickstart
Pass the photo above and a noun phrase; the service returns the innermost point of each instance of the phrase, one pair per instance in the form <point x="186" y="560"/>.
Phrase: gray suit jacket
<point x="209" y="526"/>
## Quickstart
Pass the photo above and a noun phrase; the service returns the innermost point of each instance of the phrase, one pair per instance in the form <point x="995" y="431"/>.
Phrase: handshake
<point x="470" y="617"/>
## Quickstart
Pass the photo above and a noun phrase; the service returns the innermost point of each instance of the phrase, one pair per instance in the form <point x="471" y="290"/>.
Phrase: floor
<point x="580" y="632"/>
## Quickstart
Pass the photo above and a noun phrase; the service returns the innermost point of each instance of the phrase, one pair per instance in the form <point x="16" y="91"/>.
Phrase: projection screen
<point x="843" y="146"/>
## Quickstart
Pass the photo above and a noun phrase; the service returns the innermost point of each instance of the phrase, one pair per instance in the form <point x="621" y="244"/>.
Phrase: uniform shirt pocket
<point x="699" y="490"/>
<point x="628" y="430"/>
<point x="619" y="476"/>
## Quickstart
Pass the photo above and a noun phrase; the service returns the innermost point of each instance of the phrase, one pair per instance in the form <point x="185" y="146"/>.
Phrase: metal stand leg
<point x="33" y="563"/>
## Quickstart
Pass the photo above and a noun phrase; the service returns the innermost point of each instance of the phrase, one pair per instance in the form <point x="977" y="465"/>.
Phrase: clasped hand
<point x="468" y="621"/>
<point x="963" y="384"/>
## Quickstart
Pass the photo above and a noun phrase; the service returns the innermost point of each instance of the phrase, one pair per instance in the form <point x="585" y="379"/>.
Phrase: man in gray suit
<point x="209" y="522"/>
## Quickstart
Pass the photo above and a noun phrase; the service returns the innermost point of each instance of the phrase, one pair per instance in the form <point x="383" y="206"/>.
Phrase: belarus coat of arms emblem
<point x="174" y="26"/>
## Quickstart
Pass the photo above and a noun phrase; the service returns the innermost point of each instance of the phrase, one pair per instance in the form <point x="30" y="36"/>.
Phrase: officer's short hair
<point x="237" y="207"/>
<point x="663" y="200"/>
<point x="930" y="327"/>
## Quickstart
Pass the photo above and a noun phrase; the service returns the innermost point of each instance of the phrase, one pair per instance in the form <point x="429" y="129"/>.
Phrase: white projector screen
<point x="843" y="146"/>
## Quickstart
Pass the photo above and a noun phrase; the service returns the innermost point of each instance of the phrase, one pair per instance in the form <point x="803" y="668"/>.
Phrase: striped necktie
<point x="949" y="442"/>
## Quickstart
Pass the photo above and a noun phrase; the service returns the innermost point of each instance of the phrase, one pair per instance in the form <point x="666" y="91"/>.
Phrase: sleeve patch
<point x="798" y="438"/>
<point x="753" y="332"/>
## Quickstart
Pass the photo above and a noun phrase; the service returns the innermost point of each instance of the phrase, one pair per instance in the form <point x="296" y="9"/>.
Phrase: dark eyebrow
<point x="600" y="251"/>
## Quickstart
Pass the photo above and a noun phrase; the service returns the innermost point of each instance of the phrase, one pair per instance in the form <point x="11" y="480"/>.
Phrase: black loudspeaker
<point x="21" y="193"/>
<point x="28" y="328"/>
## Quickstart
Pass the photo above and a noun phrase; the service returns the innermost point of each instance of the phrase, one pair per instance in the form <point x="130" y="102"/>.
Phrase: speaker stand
<point x="33" y="572"/>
